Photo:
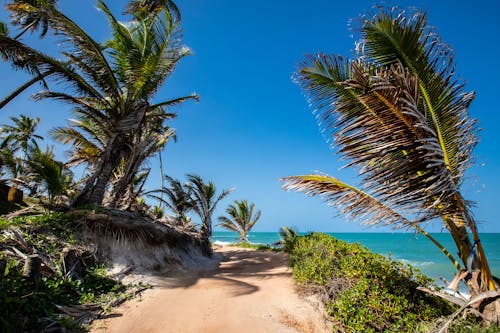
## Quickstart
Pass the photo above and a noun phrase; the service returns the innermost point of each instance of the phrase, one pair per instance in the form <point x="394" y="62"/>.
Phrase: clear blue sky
<point x="253" y="125"/>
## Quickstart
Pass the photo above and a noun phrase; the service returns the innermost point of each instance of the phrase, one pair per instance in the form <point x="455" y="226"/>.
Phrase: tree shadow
<point x="233" y="268"/>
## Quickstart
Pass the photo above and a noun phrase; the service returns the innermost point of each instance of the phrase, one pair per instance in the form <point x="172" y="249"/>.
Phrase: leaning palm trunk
<point x="399" y="116"/>
<point x="95" y="187"/>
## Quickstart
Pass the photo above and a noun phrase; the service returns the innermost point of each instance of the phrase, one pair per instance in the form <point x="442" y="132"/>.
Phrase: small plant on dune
<point x="241" y="218"/>
<point x="288" y="237"/>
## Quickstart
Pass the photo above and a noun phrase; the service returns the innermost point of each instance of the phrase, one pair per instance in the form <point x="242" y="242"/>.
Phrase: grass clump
<point x="363" y="291"/>
<point x="247" y="245"/>
<point x="63" y="298"/>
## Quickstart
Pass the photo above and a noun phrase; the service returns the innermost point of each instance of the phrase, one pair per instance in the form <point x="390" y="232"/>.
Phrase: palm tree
<point x="42" y="169"/>
<point x="177" y="198"/>
<point x="112" y="84"/>
<point x="87" y="138"/>
<point x="20" y="135"/>
<point x="17" y="141"/>
<point x="204" y="201"/>
<point x="8" y="164"/>
<point x="400" y="116"/>
<point x="242" y="218"/>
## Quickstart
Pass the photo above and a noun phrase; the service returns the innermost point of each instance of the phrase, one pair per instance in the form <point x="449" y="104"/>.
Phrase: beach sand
<point x="250" y="292"/>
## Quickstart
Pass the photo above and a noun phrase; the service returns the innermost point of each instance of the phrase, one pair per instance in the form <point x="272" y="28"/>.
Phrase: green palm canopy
<point x="398" y="114"/>
<point x="241" y="218"/>
<point x="110" y="85"/>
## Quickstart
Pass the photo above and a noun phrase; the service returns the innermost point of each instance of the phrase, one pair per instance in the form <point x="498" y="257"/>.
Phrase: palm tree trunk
<point x="96" y="196"/>
<point x="119" y="191"/>
<point x="206" y="228"/>
<point x="95" y="187"/>
<point x="162" y="180"/>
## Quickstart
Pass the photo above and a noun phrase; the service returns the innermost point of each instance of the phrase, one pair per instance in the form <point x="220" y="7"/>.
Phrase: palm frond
<point x="357" y="204"/>
<point x="398" y="36"/>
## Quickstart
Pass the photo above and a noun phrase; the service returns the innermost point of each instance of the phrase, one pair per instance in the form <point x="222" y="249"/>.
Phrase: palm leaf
<point x="357" y="204"/>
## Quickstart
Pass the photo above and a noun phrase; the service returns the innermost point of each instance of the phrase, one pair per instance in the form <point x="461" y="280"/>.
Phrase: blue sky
<point x="253" y="125"/>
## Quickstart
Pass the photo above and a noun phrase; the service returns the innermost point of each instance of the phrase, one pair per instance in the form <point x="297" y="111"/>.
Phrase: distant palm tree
<point x="242" y="218"/>
<point x="17" y="141"/>
<point x="204" y="199"/>
<point x="8" y="164"/>
<point x="177" y="198"/>
<point x="399" y="115"/>
<point x="49" y="175"/>
<point x="20" y="135"/>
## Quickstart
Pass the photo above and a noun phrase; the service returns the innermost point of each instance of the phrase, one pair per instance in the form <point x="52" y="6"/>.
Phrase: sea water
<point x="413" y="249"/>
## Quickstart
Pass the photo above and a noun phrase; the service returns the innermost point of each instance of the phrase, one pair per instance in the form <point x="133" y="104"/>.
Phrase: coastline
<point x="406" y="247"/>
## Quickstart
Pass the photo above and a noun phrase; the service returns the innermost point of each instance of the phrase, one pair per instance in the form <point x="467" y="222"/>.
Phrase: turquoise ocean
<point x="409" y="248"/>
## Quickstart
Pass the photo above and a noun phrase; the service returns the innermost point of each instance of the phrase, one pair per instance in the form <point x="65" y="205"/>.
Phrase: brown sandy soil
<point x="250" y="292"/>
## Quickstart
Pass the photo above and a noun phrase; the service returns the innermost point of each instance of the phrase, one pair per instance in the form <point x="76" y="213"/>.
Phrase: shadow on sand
<point x="234" y="266"/>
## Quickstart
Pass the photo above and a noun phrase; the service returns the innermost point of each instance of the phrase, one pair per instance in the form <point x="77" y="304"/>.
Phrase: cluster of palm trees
<point x="110" y="86"/>
<point x="202" y="198"/>
<point x="400" y="116"/>
<point x="117" y="127"/>
<point x="27" y="167"/>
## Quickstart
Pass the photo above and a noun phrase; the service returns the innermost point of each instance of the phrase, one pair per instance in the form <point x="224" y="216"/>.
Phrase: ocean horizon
<point x="409" y="248"/>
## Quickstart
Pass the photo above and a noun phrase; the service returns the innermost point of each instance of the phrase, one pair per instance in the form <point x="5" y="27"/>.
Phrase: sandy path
<point x="250" y="292"/>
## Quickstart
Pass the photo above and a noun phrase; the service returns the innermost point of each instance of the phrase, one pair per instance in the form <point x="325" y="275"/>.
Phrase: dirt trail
<point x="250" y="292"/>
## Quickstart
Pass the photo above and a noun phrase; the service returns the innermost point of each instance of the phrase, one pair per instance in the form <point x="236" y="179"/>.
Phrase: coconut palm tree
<point x="110" y="84"/>
<point x="204" y="199"/>
<point x="177" y="198"/>
<point x="17" y="142"/>
<point x="242" y="217"/>
<point x="21" y="135"/>
<point x="398" y="115"/>
<point x="49" y="175"/>
<point x="8" y="164"/>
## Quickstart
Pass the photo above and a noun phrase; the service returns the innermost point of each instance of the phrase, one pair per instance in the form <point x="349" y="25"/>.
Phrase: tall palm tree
<point x="111" y="84"/>
<point x="399" y="115"/>
<point x="20" y="135"/>
<point x="242" y="217"/>
<point x="204" y="200"/>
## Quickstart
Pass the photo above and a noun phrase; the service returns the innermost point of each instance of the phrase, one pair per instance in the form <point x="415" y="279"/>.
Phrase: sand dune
<point x="251" y="291"/>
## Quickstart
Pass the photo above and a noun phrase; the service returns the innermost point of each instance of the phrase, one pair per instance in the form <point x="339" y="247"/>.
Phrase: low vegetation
<point x="246" y="245"/>
<point x="67" y="288"/>
<point x="363" y="291"/>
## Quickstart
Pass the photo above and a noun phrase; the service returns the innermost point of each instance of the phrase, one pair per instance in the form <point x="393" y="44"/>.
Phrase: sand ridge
<point x="250" y="292"/>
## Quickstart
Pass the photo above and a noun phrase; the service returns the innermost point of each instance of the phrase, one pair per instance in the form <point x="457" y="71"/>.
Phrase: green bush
<point x="247" y="245"/>
<point x="366" y="292"/>
<point x="26" y="308"/>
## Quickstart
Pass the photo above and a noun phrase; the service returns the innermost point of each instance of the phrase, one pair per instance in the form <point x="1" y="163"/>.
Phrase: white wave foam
<point x="222" y="243"/>
<point x="417" y="263"/>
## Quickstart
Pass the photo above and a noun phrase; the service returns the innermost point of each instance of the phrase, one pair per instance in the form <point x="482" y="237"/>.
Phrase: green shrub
<point x="247" y="245"/>
<point x="366" y="292"/>
<point x="29" y="309"/>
